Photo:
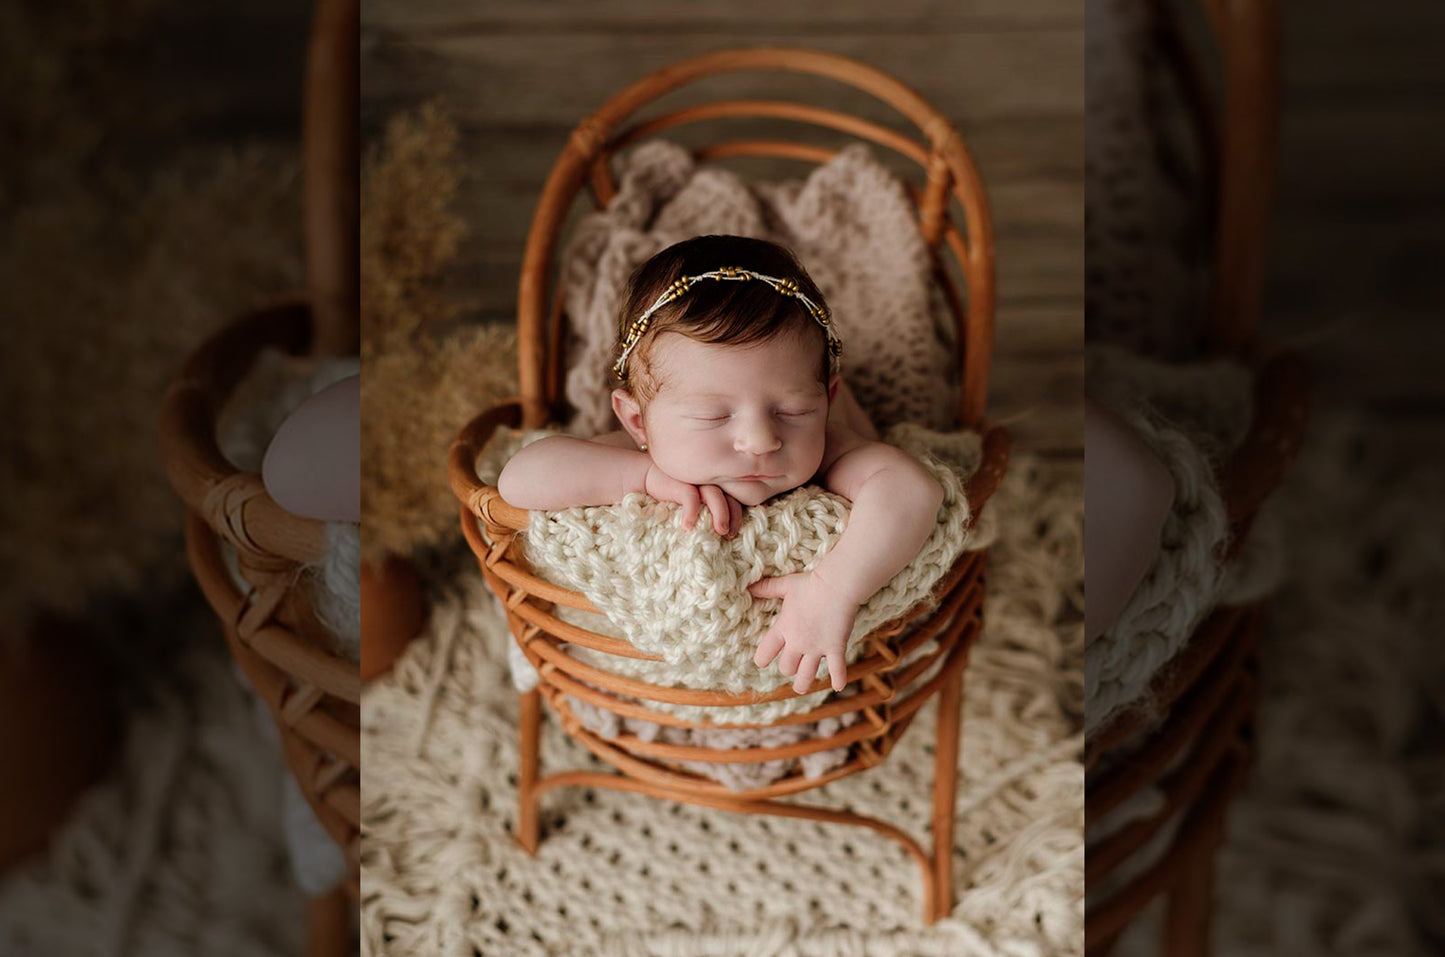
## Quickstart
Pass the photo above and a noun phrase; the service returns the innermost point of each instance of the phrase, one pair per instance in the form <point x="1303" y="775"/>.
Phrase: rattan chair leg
<point x="528" y="758"/>
<point x="945" y="783"/>
<point x="328" y="924"/>
<point x="1190" y="903"/>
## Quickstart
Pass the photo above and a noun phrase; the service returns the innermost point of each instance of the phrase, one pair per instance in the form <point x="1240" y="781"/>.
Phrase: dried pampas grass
<point x="108" y="290"/>
<point x="418" y="388"/>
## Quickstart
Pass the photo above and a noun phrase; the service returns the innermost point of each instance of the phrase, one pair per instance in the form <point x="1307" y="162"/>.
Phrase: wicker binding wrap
<point x="878" y="677"/>
<point x="272" y="630"/>
<point x="1198" y="752"/>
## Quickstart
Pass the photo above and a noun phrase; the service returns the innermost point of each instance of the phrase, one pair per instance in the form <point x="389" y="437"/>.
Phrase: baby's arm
<point x="562" y="472"/>
<point x="895" y="506"/>
<point x="1130" y="494"/>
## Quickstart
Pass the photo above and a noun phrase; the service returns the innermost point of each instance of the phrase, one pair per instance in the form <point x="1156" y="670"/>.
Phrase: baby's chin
<point x="755" y="493"/>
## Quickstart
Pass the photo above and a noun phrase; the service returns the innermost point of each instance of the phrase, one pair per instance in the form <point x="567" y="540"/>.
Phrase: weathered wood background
<point x="1356" y="241"/>
<point x="1357" y="248"/>
<point x="1009" y="73"/>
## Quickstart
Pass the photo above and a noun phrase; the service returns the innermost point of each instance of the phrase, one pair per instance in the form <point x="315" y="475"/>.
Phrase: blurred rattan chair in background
<point x="272" y="629"/>
<point x="1198" y="753"/>
<point x="881" y="676"/>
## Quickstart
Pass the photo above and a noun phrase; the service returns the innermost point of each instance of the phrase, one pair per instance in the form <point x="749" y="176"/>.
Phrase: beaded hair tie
<point x="787" y="287"/>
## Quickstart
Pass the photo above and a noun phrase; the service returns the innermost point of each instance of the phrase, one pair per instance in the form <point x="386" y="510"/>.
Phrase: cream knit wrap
<point x="1192" y="416"/>
<point x="682" y="594"/>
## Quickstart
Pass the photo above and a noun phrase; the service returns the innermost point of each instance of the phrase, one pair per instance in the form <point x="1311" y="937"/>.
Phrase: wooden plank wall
<point x="1009" y="73"/>
<point x="1357" y="245"/>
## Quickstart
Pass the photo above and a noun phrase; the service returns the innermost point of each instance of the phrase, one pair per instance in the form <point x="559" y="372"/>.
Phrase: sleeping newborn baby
<point x="730" y="395"/>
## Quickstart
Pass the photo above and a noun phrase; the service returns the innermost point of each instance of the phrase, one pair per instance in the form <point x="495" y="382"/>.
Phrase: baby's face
<point x="750" y="419"/>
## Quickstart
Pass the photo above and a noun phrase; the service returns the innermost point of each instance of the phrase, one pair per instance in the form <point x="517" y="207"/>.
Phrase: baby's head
<point x="729" y="383"/>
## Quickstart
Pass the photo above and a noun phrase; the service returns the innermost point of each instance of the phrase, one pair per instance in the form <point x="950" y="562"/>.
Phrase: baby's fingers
<point x="691" y="506"/>
<point x="788" y="661"/>
<point x="735" y="516"/>
<point x="717" y="508"/>
<point x="807" y="671"/>
<point x="837" y="670"/>
<point x="768" y="648"/>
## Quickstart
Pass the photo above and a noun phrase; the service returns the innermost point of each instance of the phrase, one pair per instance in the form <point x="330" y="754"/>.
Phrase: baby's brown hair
<point x="730" y="313"/>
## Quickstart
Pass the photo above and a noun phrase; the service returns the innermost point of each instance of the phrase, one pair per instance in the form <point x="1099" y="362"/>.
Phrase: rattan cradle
<point x="272" y="631"/>
<point x="880" y="675"/>
<point x="1198" y="753"/>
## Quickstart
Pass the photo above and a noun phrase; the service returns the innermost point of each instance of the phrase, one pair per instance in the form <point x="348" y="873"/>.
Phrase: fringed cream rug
<point x="179" y="852"/>
<point x="629" y="875"/>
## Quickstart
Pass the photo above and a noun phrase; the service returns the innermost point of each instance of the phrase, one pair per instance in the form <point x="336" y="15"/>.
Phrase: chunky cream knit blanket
<point x="1192" y="416"/>
<point x="852" y="225"/>
<point x="682" y="594"/>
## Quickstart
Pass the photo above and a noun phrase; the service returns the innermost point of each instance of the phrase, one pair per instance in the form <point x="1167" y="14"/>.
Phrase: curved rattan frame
<point x="950" y="174"/>
<point x="890" y="688"/>
<point x="1198" y="755"/>
<point x="272" y="630"/>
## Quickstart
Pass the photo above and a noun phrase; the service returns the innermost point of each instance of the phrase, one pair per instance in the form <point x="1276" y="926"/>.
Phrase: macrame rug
<point x="179" y="851"/>
<point x="629" y="875"/>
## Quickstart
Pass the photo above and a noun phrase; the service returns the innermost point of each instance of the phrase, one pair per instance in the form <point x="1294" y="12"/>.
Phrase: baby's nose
<point x="756" y="438"/>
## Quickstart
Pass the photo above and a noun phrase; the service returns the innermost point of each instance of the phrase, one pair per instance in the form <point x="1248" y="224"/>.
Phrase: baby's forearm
<point x="893" y="513"/>
<point x="563" y="472"/>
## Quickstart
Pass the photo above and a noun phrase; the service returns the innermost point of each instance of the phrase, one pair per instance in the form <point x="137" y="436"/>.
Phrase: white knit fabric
<point x="178" y="851"/>
<point x="622" y="874"/>
<point x="851" y="224"/>
<point x="682" y="594"/>
<point x="1191" y="417"/>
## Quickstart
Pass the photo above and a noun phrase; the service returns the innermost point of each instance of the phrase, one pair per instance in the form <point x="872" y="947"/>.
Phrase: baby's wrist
<point x="651" y="476"/>
<point x="839" y="587"/>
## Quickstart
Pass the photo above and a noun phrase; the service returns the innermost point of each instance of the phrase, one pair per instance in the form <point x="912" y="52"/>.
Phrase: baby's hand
<point x="814" y="624"/>
<point x="726" y="511"/>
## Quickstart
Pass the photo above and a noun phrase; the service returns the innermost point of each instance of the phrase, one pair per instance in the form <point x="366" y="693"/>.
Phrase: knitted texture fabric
<point x="178" y="852"/>
<point x="851" y="224"/>
<point x="1145" y="239"/>
<point x="625" y="875"/>
<point x="682" y="594"/>
<point x="1191" y="417"/>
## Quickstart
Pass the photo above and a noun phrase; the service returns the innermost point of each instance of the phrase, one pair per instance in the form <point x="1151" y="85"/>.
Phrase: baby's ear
<point x="833" y="388"/>
<point x="629" y="413"/>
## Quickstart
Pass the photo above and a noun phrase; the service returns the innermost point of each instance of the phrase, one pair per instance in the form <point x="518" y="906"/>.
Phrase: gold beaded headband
<point x="787" y="287"/>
